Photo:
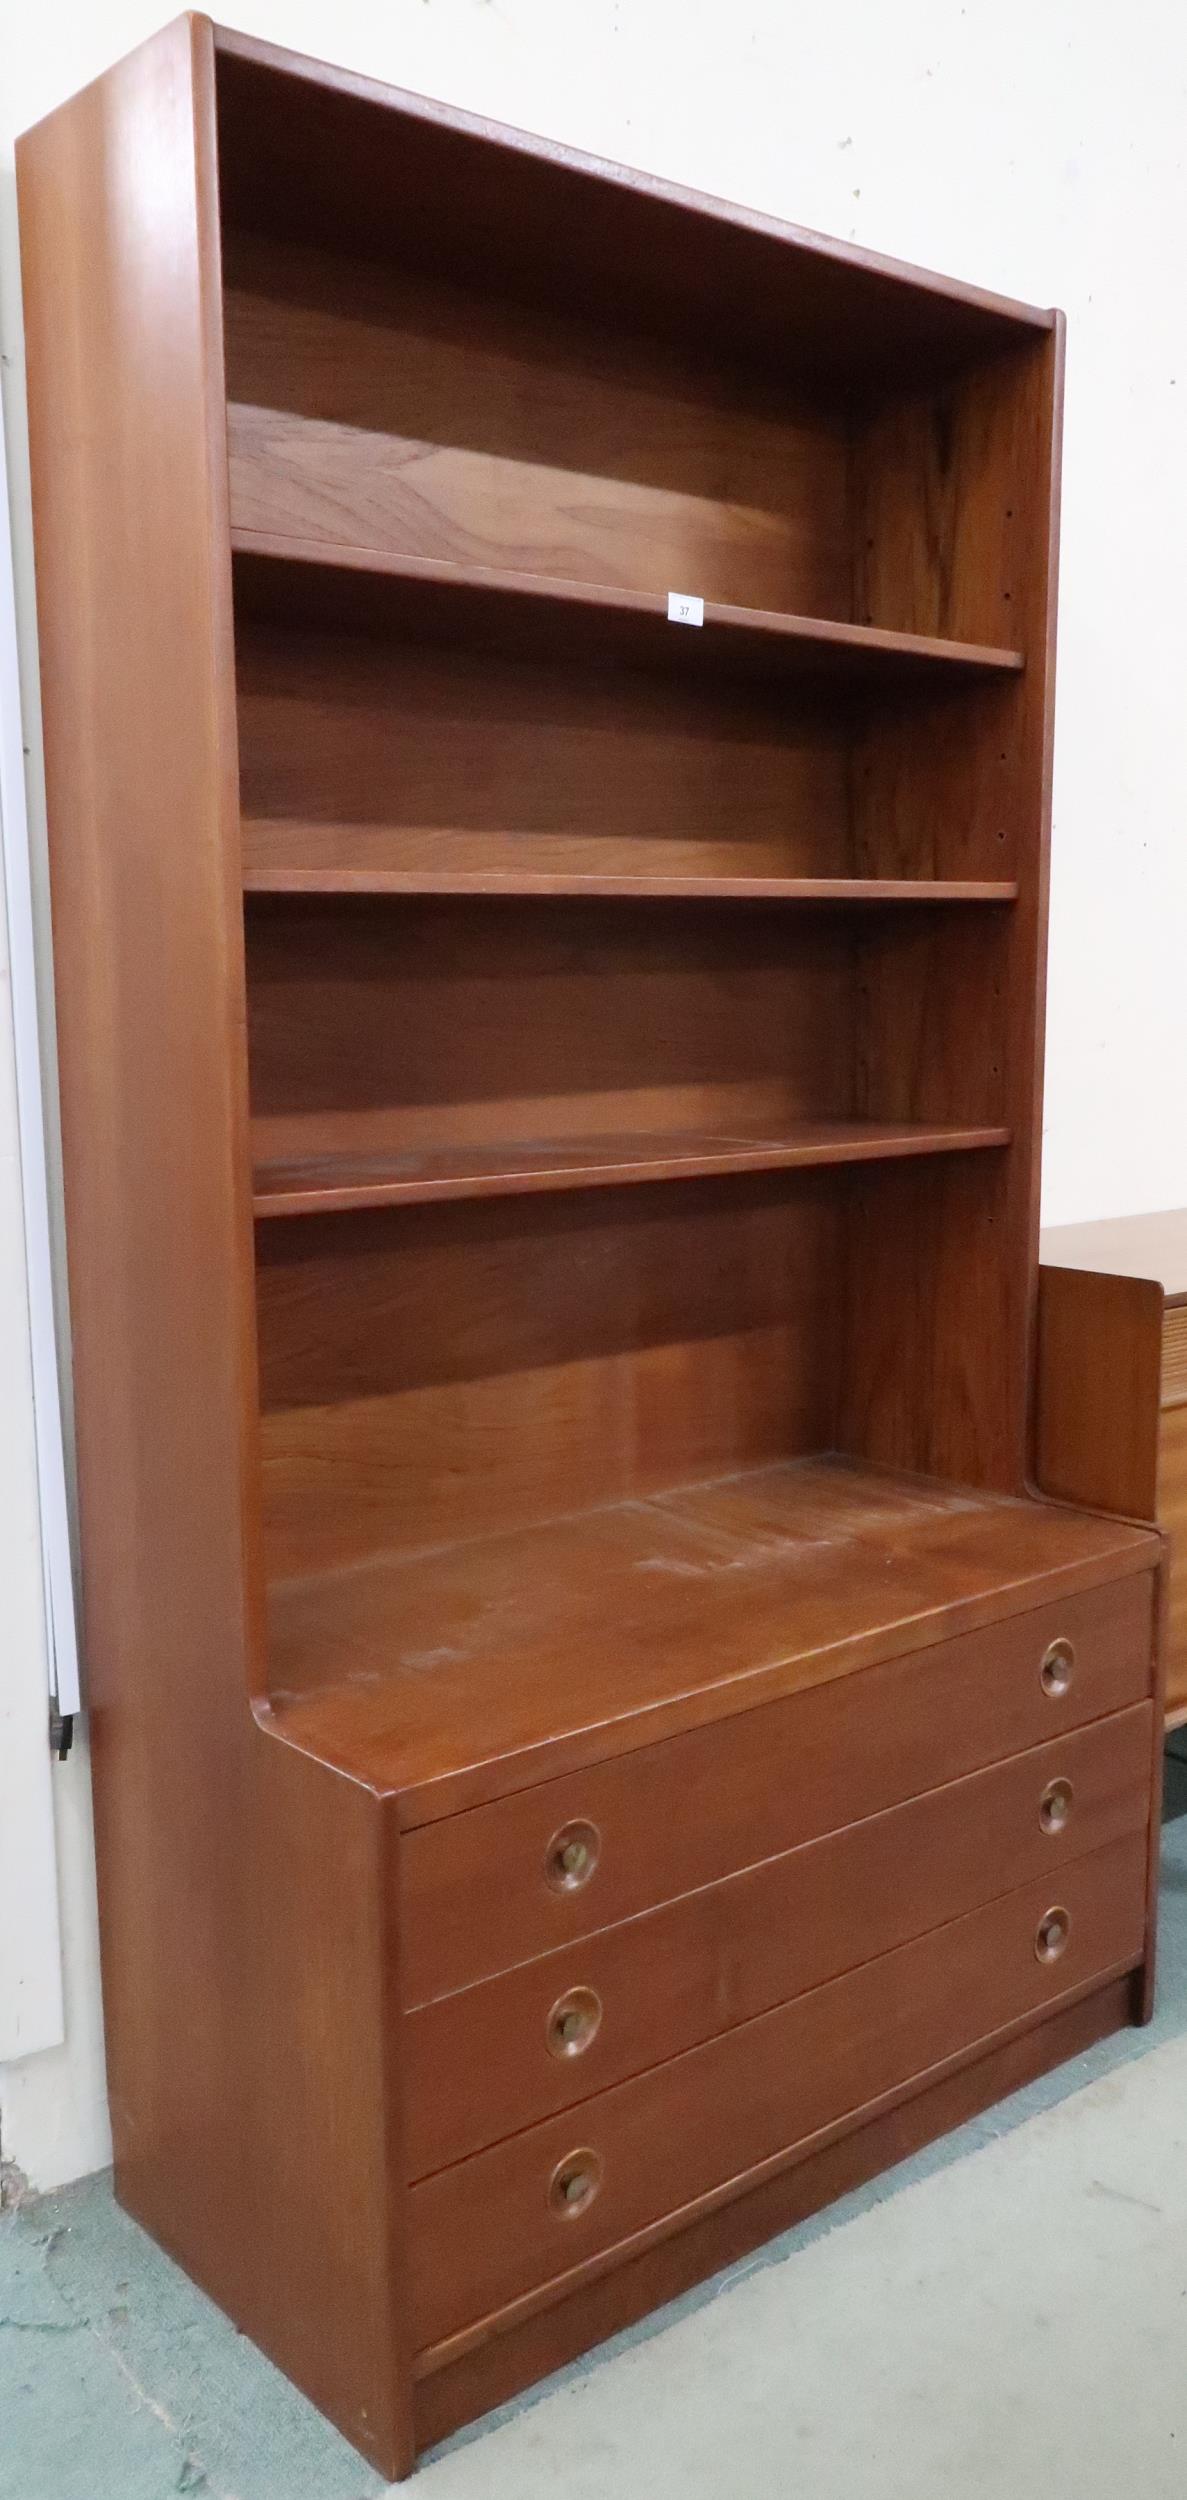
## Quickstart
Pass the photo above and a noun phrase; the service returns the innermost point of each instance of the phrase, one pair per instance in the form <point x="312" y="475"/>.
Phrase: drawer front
<point x="539" y="2204"/>
<point x="491" y="2059"/>
<point x="502" y="1883"/>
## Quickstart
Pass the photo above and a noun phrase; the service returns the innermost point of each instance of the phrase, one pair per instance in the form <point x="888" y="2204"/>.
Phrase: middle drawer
<point x="500" y="2055"/>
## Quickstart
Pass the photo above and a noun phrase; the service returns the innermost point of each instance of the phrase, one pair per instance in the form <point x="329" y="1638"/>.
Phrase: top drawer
<point x="495" y="1886"/>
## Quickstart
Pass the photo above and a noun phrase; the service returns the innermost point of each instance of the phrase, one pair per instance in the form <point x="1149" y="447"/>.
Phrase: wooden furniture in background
<point x="1114" y="1310"/>
<point x="597" y="1743"/>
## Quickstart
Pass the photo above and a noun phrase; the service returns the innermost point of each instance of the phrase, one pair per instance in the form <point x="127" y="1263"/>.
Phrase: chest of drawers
<point x="635" y="1997"/>
<point x="490" y="2059"/>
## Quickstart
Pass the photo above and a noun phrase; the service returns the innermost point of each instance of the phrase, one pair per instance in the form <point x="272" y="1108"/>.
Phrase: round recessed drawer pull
<point x="1051" y="1935"/>
<point x="1058" y="1668"/>
<point x="573" y="2021"/>
<point x="575" y="2183"/>
<point x="1056" y="1805"/>
<point x="571" y="1856"/>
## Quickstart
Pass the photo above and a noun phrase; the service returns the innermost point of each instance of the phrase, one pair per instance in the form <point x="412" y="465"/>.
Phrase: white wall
<point x="1035" y="146"/>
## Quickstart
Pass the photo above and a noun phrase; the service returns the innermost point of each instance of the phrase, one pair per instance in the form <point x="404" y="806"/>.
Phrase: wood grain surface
<point x="485" y="2061"/>
<point x="674" y="1816"/>
<point x="723" y="1597"/>
<point x="487" y="2230"/>
<point x="245" y="1998"/>
<point x="1097" y="1390"/>
<point x="475" y="2372"/>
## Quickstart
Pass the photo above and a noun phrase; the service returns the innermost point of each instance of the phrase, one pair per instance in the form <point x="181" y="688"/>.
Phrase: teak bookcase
<point x="598" y="1743"/>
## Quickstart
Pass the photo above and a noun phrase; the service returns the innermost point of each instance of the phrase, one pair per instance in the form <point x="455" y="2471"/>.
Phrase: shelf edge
<point x="478" y="883"/>
<point x="900" y="1144"/>
<point x="875" y="641"/>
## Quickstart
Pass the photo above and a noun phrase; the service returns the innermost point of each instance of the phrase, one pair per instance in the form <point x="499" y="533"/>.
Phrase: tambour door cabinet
<point x="1113" y="1383"/>
<point x="598" y="1742"/>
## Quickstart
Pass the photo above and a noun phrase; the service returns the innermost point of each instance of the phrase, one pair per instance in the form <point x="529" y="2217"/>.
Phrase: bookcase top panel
<point x="307" y="150"/>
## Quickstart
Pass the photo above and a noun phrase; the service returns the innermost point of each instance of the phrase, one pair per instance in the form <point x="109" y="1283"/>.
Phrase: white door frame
<point x="38" y="1641"/>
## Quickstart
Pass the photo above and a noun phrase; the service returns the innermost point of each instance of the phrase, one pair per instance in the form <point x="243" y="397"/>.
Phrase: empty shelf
<point x="322" y="1184"/>
<point x="760" y="889"/>
<point x="370" y="585"/>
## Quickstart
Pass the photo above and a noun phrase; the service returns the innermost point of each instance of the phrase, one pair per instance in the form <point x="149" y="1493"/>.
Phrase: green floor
<point x="118" y="2381"/>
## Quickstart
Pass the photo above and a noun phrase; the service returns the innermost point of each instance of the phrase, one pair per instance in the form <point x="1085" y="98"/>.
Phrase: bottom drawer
<point x="542" y="2202"/>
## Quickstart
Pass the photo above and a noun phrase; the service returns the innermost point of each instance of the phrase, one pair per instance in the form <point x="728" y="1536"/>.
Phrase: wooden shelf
<point x="863" y="890"/>
<point x="323" y="1184"/>
<point x="501" y="605"/>
<point x="721" y="1596"/>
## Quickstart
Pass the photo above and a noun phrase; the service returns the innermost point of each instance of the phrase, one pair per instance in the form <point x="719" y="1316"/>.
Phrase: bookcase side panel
<point x="140" y="772"/>
<point x="251" y="2111"/>
<point x="961" y="527"/>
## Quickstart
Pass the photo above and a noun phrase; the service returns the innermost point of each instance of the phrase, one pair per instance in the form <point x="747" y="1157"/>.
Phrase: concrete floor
<point x="1009" y="2323"/>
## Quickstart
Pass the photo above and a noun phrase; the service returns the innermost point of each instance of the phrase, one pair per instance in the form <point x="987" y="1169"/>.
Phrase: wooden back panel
<point x="364" y="752"/>
<point x="368" y="752"/>
<point x="403" y="1023"/>
<point x="452" y="1371"/>
<point x="408" y="1024"/>
<point x="376" y="405"/>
